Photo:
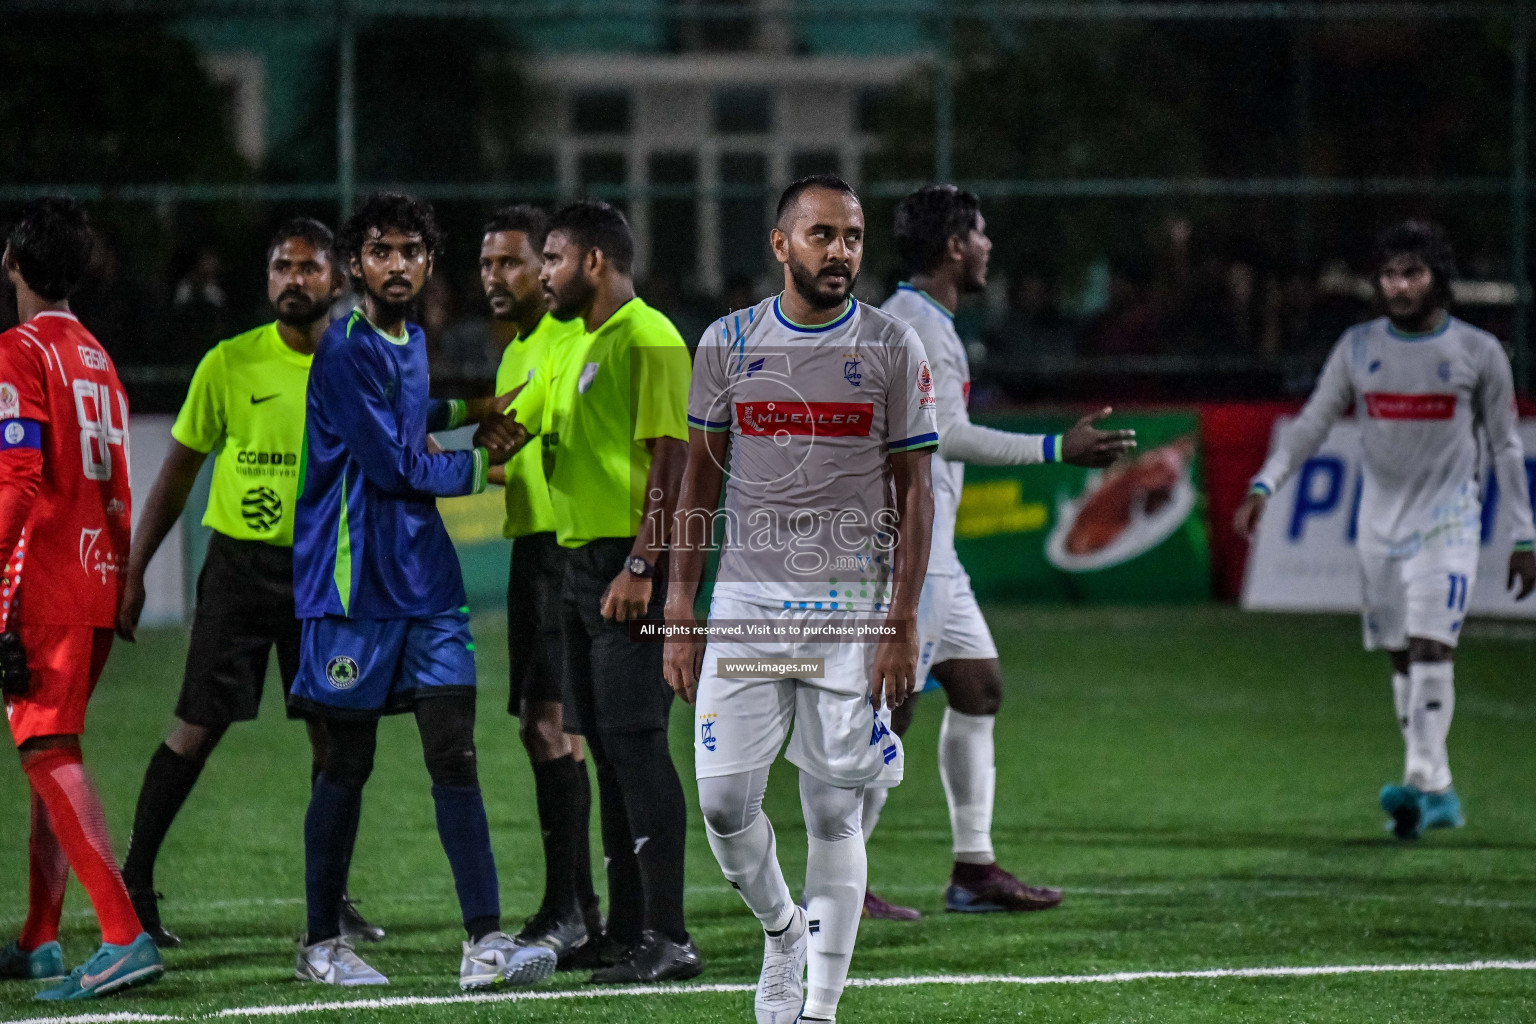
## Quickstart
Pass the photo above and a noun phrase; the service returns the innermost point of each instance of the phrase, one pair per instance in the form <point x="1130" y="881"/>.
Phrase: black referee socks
<point x="167" y="782"/>
<point x="565" y="805"/>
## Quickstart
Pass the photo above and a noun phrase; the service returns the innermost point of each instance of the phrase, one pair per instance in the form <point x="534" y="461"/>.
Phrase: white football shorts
<point x="1424" y="594"/>
<point x="950" y="626"/>
<point x="740" y="724"/>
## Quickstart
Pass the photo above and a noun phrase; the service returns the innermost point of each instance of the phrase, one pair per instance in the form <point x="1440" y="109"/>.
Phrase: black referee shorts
<point x="612" y="684"/>
<point x="244" y="609"/>
<point x="533" y="621"/>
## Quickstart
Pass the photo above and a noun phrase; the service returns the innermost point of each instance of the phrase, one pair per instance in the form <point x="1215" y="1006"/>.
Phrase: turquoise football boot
<point x="1442" y="809"/>
<point x="1405" y="805"/>
<point x="46" y="961"/>
<point x="112" y="969"/>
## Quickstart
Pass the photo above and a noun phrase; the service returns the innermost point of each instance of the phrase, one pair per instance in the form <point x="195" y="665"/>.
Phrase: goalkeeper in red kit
<point x="64" y="523"/>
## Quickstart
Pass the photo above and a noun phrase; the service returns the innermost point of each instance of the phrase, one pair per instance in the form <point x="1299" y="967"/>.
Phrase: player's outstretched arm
<point x="350" y="390"/>
<point x="1086" y="445"/>
<point x="167" y="499"/>
<point x="894" y="676"/>
<point x="693" y="523"/>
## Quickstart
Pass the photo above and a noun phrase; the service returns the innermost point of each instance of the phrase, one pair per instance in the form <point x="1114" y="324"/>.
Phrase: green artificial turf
<point x="1201" y="781"/>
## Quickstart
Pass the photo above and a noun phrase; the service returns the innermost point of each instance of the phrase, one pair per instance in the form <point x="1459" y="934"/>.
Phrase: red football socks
<point x="75" y="818"/>
<point x="48" y="871"/>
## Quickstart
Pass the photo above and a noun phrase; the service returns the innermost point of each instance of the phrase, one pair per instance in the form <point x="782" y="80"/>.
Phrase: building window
<point x="674" y="218"/>
<point x="600" y="112"/>
<point x="743" y="111"/>
<point x="602" y="175"/>
<point x="743" y="218"/>
<point x="816" y="162"/>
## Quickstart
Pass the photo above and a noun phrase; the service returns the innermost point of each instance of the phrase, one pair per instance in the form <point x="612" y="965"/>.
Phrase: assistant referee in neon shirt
<point x="568" y="920"/>
<point x="616" y="474"/>
<point x="248" y="396"/>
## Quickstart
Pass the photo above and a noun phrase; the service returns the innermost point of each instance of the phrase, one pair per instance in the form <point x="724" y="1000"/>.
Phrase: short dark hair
<point x="1421" y="238"/>
<point x="530" y="220"/>
<point x="927" y="219"/>
<point x="384" y="210"/>
<point x="306" y="228"/>
<point x="594" y="224"/>
<point x="51" y="243"/>
<point x="800" y="186"/>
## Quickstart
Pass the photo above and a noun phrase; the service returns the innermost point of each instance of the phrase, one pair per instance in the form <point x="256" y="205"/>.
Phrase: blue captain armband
<point x="20" y="434"/>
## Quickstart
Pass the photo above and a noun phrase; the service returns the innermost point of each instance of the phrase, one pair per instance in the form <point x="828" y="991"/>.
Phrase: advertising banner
<point x="1134" y="533"/>
<point x="1303" y="558"/>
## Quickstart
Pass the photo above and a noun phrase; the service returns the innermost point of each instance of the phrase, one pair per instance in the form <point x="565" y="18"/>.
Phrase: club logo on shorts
<point x="342" y="672"/>
<point x="707" y="732"/>
<point x="261" y="508"/>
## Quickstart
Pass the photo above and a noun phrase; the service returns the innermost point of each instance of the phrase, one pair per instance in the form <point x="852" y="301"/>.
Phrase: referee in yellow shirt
<point x="616" y="474"/>
<point x="568" y="920"/>
<point x="247" y="400"/>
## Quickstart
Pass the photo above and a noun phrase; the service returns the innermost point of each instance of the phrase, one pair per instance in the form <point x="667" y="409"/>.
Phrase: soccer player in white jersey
<point x="825" y="410"/>
<point x="942" y="239"/>
<point x="1431" y="394"/>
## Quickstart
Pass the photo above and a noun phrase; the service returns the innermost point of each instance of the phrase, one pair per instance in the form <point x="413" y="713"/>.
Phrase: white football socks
<point x="968" y="769"/>
<point x="835" y="874"/>
<point x="750" y="862"/>
<point x="874" y="803"/>
<point x="1431" y="706"/>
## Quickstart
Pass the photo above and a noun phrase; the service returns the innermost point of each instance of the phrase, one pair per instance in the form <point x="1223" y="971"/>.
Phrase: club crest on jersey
<point x="10" y="402"/>
<point x="924" y="378"/>
<point x="583" y="382"/>
<point x="851" y="372"/>
<point x="1443" y="371"/>
<point x="342" y="672"/>
<point x="707" y="732"/>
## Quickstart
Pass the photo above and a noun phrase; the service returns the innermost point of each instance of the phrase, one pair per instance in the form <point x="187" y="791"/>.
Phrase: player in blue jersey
<point x="378" y="587"/>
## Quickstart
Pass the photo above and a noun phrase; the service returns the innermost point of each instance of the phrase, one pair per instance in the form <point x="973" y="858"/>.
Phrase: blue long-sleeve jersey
<point x="368" y="542"/>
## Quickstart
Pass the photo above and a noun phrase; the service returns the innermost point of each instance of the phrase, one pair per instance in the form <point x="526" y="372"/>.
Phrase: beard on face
<point x="1411" y="310"/>
<point x="568" y="302"/>
<point x="818" y="288"/>
<point x="295" y="308"/>
<point x="389" y="309"/>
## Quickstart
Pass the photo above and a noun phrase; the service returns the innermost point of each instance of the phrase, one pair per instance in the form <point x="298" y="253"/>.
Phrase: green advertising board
<point x="1131" y="534"/>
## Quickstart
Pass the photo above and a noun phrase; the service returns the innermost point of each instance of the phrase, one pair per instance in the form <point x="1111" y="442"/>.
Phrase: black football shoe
<point x="355" y="926"/>
<point x="146" y="904"/>
<point x="565" y="935"/>
<point x="656" y="958"/>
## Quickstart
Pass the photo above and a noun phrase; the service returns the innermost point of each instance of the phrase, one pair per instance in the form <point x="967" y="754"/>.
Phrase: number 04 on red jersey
<point x="64" y="497"/>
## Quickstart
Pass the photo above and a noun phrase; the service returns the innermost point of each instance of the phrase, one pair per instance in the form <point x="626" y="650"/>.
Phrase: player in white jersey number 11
<point x="942" y="239"/>
<point x="1431" y="394"/>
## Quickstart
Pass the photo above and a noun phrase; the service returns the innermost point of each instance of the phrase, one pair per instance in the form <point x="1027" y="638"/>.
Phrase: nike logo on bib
<point x="258" y="401"/>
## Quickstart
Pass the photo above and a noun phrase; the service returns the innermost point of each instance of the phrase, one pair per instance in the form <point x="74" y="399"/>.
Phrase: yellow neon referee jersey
<point x="630" y="385"/>
<point x="248" y="393"/>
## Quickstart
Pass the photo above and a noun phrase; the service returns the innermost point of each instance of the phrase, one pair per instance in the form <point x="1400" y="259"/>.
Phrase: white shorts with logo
<point x="950" y="626"/>
<point x="1423" y="594"/>
<point x="740" y="724"/>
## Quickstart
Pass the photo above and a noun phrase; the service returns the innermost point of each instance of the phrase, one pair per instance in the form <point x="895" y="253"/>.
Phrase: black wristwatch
<point x="639" y="567"/>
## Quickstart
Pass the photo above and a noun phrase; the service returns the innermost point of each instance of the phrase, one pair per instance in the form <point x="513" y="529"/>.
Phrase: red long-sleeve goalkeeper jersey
<point x="64" y="497"/>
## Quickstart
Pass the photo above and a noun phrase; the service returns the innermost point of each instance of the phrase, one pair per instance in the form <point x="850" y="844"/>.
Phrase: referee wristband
<point x="1051" y="451"/>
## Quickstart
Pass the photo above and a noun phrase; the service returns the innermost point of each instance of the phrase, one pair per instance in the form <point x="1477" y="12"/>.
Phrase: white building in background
<point x="735" y="127"/>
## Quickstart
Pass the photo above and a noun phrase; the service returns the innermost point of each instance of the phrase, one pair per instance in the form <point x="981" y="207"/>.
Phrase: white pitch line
<point x="1116" y="977"/>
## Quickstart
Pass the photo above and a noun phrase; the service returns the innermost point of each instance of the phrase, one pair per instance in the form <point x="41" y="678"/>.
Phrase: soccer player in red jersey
<point x="64" y="522"/>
